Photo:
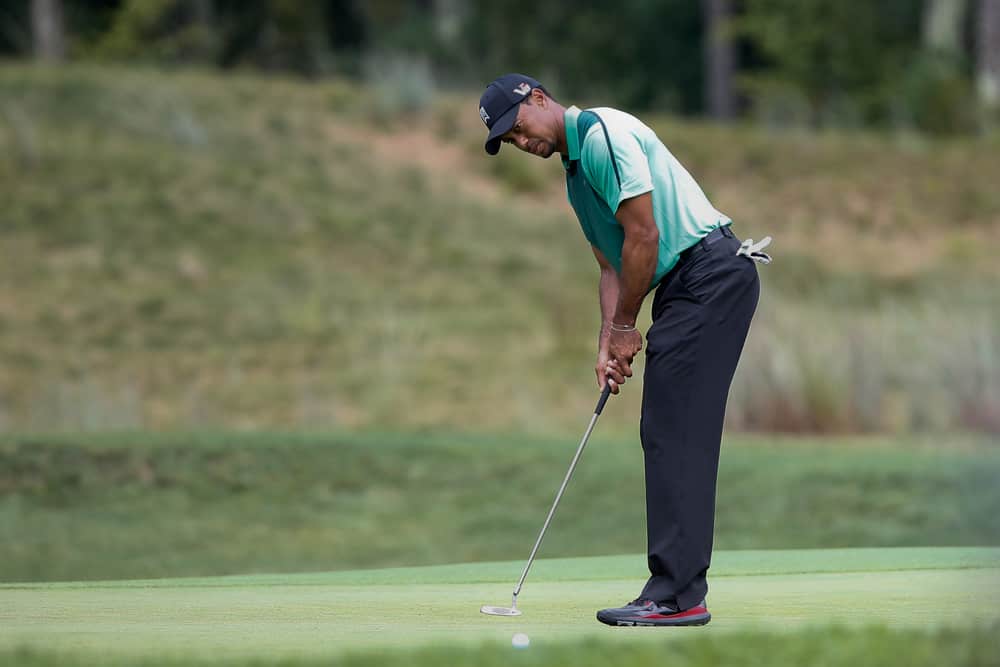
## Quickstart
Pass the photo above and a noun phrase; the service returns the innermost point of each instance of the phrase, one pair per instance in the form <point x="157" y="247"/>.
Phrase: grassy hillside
<point x="186" y="249"/>
<point x="943" y="600"/>
<point x="132" y="506"/>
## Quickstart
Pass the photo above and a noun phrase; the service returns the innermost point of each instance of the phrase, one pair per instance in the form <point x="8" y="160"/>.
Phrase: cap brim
<point x="500" y="128"/>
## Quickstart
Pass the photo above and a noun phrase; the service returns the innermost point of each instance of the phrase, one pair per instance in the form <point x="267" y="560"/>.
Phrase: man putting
<point x="651" y="227"/>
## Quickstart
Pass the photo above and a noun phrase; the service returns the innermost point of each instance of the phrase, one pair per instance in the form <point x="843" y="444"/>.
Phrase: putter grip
<point x="604" y="398"/>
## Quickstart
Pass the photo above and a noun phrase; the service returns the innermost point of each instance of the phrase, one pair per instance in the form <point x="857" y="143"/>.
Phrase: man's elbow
<point x="645" y="236"/>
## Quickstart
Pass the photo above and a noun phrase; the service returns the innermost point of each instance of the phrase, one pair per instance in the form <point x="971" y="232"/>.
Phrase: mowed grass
<point x="827" y="646"/>
<point x="872" y="599"/>
<point x="166" y="505"/>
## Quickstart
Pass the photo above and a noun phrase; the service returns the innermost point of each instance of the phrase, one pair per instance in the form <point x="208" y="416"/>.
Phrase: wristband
<point x="622" y="327"/>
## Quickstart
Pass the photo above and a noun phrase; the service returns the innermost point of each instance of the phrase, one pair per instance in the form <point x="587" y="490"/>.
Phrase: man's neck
<point x="561" y="146"/>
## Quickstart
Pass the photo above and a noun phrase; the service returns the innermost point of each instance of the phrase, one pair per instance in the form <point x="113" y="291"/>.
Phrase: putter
<point x="512" y="610"/>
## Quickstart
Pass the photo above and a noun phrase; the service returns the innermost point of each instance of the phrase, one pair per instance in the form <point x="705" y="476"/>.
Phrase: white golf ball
<point x="520" y="640"/>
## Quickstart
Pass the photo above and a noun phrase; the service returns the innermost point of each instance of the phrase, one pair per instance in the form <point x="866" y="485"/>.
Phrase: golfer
<point x="651" y="228"/>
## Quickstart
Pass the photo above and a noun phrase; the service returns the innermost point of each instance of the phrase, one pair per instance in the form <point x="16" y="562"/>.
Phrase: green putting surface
<point x="329" y="613"/>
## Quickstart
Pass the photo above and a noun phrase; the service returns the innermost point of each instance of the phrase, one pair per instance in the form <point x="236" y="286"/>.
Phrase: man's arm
<point x="622" y="178"/>
<point x="608" y="291"/>
<point x="639" y="254"/>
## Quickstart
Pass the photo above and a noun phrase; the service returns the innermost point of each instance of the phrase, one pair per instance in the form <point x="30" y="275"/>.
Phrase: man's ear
<point x="539" y="98"/>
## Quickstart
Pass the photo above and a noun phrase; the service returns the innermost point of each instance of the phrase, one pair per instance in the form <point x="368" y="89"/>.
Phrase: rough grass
<point x="127" y="506"/>
<point x="184" y="249"/>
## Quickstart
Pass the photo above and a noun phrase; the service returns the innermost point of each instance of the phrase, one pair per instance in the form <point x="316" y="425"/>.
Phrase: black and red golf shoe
<point x="648" y="612"/>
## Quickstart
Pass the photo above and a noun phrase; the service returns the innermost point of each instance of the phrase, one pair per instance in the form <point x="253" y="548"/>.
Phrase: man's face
<point x="534" y="130"/>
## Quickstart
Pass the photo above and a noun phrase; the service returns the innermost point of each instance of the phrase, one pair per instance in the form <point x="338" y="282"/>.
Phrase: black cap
<point x="498" y="105"/>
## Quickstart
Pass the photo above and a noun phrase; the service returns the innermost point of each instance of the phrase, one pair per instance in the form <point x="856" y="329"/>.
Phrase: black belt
<point x="706" y="241"/>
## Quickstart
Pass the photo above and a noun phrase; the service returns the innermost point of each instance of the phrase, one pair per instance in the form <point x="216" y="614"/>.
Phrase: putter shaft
<point x="562" y="488"/>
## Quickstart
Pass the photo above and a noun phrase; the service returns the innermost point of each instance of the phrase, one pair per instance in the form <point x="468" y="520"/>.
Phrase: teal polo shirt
<point x="612" y="157"/>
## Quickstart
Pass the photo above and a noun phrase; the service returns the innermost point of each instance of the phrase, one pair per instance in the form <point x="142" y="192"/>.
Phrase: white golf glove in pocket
<point x="753" y="250"/>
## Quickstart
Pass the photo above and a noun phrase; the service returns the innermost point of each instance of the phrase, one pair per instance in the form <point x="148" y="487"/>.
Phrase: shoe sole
<point x="700" y="619"/>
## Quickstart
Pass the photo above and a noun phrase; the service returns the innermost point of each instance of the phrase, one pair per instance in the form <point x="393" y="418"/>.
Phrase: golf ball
<point x="520" y="640"/>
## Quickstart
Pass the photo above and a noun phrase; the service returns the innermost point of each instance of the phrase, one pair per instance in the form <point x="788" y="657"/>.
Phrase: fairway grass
<point x="338" y="614"/>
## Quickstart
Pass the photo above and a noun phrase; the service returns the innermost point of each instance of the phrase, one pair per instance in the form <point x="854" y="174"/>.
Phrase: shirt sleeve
<point x="599" y="166"/>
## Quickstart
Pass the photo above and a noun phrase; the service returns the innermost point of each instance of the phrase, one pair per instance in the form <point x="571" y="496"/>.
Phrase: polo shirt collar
<point x="572" y="136"/>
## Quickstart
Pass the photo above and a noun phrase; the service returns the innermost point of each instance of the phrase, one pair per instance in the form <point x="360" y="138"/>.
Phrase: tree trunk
<point x="203" y="12"/>
<point x="988" y="54"/>
<point x="943" y="26"/>
<point x="47" y="30"/>
<point x="448" y="19"/>
<point x="720" y="60"/>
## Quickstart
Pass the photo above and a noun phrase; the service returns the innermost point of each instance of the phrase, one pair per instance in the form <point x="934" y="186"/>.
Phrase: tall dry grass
<point x="184" y="249"/>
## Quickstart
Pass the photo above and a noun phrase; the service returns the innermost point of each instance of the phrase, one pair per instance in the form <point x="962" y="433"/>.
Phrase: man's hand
<point x="604" y="366"/>
<point x="614" y="358"/>
<point x="622" y="348"/>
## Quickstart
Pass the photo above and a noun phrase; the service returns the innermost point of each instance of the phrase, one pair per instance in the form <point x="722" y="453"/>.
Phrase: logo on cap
<point x="523" y="88"/>
<point x="485" y="116"/>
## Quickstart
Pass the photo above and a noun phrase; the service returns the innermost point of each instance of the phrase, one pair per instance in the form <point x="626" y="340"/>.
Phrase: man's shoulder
<point x="620" y="126"/>
<point x="614" y="119"/>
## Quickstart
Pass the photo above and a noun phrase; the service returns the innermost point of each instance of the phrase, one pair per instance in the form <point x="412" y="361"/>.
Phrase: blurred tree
<point x="636" y="53"/>
<point x="15" y="32"/>
<point x="943" y="26"/>
<point x="448" y="19"/>
<point x="173" y="31"/>
<point x="821" y="62"/>
<point x="47" y="30"/>
<point x="276" y="34"/>
<point x="87" y="21"/>
<point x="306" y="37"/>
<point x="311" y="38"/>
<point x="937" y="87"/>
<point x="203" y="12"/>
<point x="826" y="62"/>
<point x="720" y="60"/>
<point x="402" y="25"/>
<point x="82" y="23"/>
<point x="988" y="54"/>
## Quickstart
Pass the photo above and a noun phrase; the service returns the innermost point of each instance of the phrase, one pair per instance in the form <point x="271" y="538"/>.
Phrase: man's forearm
<point x="609" y="299"/>
<point x="638" y="266"/>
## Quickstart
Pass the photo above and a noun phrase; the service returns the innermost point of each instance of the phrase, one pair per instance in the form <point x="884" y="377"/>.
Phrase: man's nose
<point x="522" y="143"/>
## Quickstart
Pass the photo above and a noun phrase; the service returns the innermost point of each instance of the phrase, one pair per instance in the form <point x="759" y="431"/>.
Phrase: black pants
<point x="701" y="315"/>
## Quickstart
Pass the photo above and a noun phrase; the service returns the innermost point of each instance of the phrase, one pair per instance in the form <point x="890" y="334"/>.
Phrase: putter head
<point x="499" y="611"/>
